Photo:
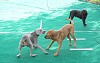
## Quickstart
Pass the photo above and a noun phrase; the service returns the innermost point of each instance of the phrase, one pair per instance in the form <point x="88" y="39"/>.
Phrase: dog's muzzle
<point x="46" y="37"/>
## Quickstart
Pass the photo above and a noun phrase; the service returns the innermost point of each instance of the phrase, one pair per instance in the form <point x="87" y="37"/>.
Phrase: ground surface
<point x="17" y="17"/>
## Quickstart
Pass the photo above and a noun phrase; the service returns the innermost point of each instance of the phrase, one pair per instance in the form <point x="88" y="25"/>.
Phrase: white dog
<point x="31" y="40"/>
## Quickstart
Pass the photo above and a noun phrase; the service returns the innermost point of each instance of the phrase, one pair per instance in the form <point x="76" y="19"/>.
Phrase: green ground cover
<point x="24" y="16"/>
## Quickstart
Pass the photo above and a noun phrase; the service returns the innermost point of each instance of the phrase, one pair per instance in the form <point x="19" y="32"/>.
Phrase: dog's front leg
<point x="58" y="48"/>
<point x="50" y="45"/>
<point x="36" y="44"/>
<point x="31" y="47"/>
<point x="41" y="49"/>
<point x="83" y="19"/>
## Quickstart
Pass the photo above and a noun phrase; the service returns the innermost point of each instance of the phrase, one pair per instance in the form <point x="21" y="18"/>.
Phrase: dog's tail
<point x="70" y="21"/>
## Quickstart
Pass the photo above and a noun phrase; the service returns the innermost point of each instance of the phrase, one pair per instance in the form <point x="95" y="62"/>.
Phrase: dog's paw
<point x="46" y="52"/>
<point x="85" y="25"/>
<point x="70" y="44"/>
<point x="34" y="46"/>
<point x="18" y="55"/>
<point x="56" y="54"/>
<point x="74" y="45"/>
<point x="47" y="48"/>
<point x="32" y="55"/>
<point x="67" y="18"/>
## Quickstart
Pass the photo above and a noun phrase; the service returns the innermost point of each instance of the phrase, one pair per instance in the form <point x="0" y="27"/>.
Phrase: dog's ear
<point x="84" y="12"/>
<point x="52" y="33"/>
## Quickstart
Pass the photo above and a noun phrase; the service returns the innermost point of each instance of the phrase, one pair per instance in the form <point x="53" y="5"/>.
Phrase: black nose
<point x="44" y="31"/>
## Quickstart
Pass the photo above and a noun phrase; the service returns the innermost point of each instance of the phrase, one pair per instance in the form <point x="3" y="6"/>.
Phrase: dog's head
<point x="49" y="34"/>
<point x="40" y="31"/>
<point x="84" y="12"/>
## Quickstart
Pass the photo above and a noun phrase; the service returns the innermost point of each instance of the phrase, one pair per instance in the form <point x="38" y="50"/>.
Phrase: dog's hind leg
<point x="72" y="34"/>
<point x="19" y="51"/>
<point x="69" y="40"/>
<point x="72" y="14"/>
<point x="20" y="47"/>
